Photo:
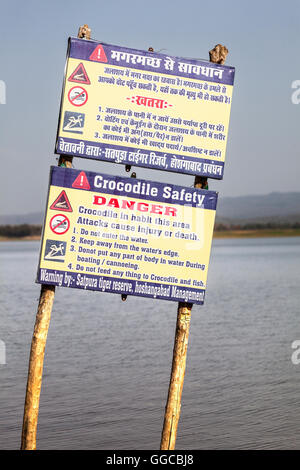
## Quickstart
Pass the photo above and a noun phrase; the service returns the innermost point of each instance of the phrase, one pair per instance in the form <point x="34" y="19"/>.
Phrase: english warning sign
<point x="127" y="236"/>
<point x="145" y="109"/>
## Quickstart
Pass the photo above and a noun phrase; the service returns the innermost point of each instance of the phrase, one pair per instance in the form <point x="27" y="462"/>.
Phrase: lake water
<point x="107" y="363"/>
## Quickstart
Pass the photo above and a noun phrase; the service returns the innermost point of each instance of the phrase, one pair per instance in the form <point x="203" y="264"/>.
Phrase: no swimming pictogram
<point x="77" y="96"/>
<point x="59" y="224"/>
<point x="62" y="203"/>
<point x="79" y="75"/>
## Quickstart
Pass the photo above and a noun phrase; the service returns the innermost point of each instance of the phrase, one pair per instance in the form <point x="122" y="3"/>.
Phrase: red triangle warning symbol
<point x="81" y="181"/>
<point x="79" y="75"/>
<point x="62" y="203"/>
<point x="98" y="54"/>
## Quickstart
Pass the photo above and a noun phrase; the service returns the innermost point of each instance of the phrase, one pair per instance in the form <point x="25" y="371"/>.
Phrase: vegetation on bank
<point x="255" y="229"/>
<point x="222" y="227"/>
<point x="285" y="232"/>
<point x="270" y="229"/>
<point x="20" y="231"/>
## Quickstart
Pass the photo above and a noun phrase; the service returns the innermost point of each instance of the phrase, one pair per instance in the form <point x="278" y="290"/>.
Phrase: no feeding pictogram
<point x="78" y="96"/>
<point x="59" y="224"/>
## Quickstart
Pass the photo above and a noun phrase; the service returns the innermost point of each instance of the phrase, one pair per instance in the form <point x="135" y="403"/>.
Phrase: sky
<point x="263" y="41"/>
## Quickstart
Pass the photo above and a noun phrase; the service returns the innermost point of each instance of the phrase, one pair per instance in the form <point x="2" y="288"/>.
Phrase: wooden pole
<point x="173" y="406"/>
<point x="35" y="369"/>
<point x="172" y="412"/>
<point x="39" y="338"/>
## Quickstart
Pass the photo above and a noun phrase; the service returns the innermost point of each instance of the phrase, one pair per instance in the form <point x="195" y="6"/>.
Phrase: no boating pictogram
<point x="59" y="224"/>
<point x="78" y="96"/>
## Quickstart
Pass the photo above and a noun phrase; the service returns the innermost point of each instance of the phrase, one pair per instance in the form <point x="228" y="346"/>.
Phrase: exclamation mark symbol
<point x="98" y="54"/>
<point x="81" y="182"/>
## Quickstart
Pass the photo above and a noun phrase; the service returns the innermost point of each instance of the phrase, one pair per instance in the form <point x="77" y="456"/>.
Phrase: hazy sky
<point x="263" y="41"/>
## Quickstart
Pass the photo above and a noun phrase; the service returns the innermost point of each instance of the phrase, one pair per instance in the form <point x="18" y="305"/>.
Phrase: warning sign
<point x="81" y="181"/>
<point x="79" y="75"/>
<point x="55" y="251"/>
<point x="128" y="236"/>
<point x="145" y="109"/>
<point x="98" y="54"/>
<point x="78" y="96"/>
<point x="73" y="122"/>
<point x="59" y="224"/>
<point x="62" y="203"/>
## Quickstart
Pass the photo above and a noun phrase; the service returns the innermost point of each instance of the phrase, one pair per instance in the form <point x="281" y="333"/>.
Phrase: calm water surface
<point x="107" y="364"/>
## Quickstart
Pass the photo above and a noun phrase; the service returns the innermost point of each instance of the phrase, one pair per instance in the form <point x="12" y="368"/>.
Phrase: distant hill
<point x="279" y="207"/>
<point x="35" y="218"/>
<point x="261" y="206"/>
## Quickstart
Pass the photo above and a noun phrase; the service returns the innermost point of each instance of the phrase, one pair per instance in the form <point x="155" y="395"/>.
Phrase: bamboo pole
<point x="39" y="338"/>
<point x="173" y="407"/>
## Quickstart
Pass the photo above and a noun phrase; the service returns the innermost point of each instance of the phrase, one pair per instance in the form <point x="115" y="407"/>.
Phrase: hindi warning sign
<point x="145" y="109"/>
<point x="127" y="236"/>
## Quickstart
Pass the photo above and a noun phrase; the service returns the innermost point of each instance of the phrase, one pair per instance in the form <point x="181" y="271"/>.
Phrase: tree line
<point x="220" y="227"/>
<point x="18" y="231"/>
<point x="27" y="230"/>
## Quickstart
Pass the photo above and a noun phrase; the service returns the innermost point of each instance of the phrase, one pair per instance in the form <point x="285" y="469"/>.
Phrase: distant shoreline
<point x="30" y="238"/>
<point x="262" y="233"/>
